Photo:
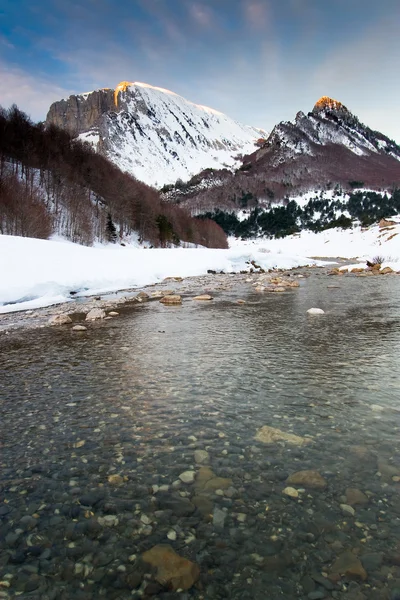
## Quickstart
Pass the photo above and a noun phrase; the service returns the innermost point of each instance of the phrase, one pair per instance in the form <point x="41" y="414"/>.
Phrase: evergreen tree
<point x="111" y="230"/>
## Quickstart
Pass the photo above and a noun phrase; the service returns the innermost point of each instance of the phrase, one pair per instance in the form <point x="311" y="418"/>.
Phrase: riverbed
<point x="101" y="432"/>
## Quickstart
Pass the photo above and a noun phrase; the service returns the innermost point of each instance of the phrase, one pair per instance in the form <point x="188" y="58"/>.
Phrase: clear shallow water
<point x="128" y="396"/>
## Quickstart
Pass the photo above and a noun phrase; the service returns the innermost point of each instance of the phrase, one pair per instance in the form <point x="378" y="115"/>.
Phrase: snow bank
<point x="37" y="273"/>
<point x="356" y="243"/>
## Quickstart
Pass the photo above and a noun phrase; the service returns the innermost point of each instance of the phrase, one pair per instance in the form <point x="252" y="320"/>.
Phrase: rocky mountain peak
<point x="325" y="104"/>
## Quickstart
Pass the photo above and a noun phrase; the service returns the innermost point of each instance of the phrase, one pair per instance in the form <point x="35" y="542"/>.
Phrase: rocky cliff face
<point x="153" y="133"/>
<point x="79" y="114"/>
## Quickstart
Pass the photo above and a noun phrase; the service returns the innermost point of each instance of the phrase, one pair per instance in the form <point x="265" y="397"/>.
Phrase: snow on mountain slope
<point x="153" y="133"/>
<point x="161" y="137"/>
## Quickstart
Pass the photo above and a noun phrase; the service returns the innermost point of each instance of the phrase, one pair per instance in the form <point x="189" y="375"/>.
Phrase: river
<point x="98" y="426"/>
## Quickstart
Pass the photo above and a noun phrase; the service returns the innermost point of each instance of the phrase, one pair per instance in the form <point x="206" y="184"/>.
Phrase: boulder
<point x="307" y="479"/>
<point x="386" y="271"/>
<point x="315" y="311"/>
<point x="95" y="314"/>
<point x="271" y="435"/>
<point x="172" y="571"/>
<point x="173" y="299"/>
<point x="79" y="328"/>
<point x="60" y="320"/>
<point x="203" y="297"/>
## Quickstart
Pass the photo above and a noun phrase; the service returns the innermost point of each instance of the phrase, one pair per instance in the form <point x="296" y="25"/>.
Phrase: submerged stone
<point x="271" y="435"/>
<point x="173" y="571"/>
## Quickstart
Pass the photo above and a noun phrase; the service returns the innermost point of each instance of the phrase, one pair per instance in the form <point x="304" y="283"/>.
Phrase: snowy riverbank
<point x="37" y="273"/>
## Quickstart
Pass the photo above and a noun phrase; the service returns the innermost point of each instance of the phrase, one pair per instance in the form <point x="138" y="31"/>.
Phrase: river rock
<point x="113" y="313"/>
<point x="350" y="566"/>
<point x="79" y="328"/>
<point x="115" y="479"/>
<point x="355" y="496"/>
<point x="173" y="299"/>
<point x="202" y="297"/>
<point x="173" y="571"/>
<point x="201" y="457"/>
<point x="60" y="320"/>
<point x="204" y="505"/>
<point x="187" y="476"/>
<point x="271" y="435"/>
<point x="95" y="314"/>
<point x="292" y="492"/>
<point x="207" y="481"/>
<point x="308" y="479"/>
<point x="181" y="507"/>
<point x="347" y="510"/>
<point x="315" y="311"/>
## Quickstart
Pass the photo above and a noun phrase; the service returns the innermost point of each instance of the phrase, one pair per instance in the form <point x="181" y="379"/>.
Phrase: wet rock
<point x="173" y="571"/>
<point x="108" y="521"/>
<point x="201" y="457"/>
<point x="292" y="492"/>
<point x="115" y="479"/>
<point x="308" y="479"/>
<point x="173" y="299"/>
<point x="219" y="517"/>
<point x="95" y="314"/>
<point x="187" y="476"/>
<point x="272" y="435"/>
<point x="204" y="505"/>
<point x="355" y="496"/>
<point x="278" y="563"/>
<point x="113" y="313"/>
<point x="79" y="328"/>
<point x="203" y="297"/>
<point x="372" y="561"/>
<point x="61" y="319"/>
<point x="347" y="510"/>
<point x="350" y="566"/>
<point x="315" y="311"/>
<point x="207" y="481"/>
<point x="181" y="507"/>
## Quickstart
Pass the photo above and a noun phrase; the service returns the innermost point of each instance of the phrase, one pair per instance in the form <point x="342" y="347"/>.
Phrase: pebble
<point x="290" y="491"/>
<point x="187" y="476"/>
<point x="347" y="510"/>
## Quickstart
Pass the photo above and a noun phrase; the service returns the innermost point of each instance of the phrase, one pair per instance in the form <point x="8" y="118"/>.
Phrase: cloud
<point x="256" y="13"/>
<point x="32" y="94"/>
<point x="202" y="15"/>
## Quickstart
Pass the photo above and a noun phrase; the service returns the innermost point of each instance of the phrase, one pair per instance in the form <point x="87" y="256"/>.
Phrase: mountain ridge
<point x="328" y="147"/>
<point x="153" y="133"/>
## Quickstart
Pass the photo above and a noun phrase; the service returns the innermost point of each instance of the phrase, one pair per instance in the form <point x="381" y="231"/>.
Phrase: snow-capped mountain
<point x="328" y="147"/>
<point x="153" y="133"/>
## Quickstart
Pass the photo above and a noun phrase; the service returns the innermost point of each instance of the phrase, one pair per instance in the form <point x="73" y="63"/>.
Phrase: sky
<point x="258" y="61"/>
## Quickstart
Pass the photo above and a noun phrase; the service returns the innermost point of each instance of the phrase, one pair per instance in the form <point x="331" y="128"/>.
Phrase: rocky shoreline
<point x="81" y="312"/>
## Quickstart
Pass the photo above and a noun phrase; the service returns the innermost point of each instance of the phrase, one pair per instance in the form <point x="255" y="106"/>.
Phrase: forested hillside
<point x="317" y="214"/>
<point x="51" y="183"/>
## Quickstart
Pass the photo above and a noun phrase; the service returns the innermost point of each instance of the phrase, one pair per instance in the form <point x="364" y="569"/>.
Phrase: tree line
<point x="316" y="215"/>
<point x="52" y="183"/>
